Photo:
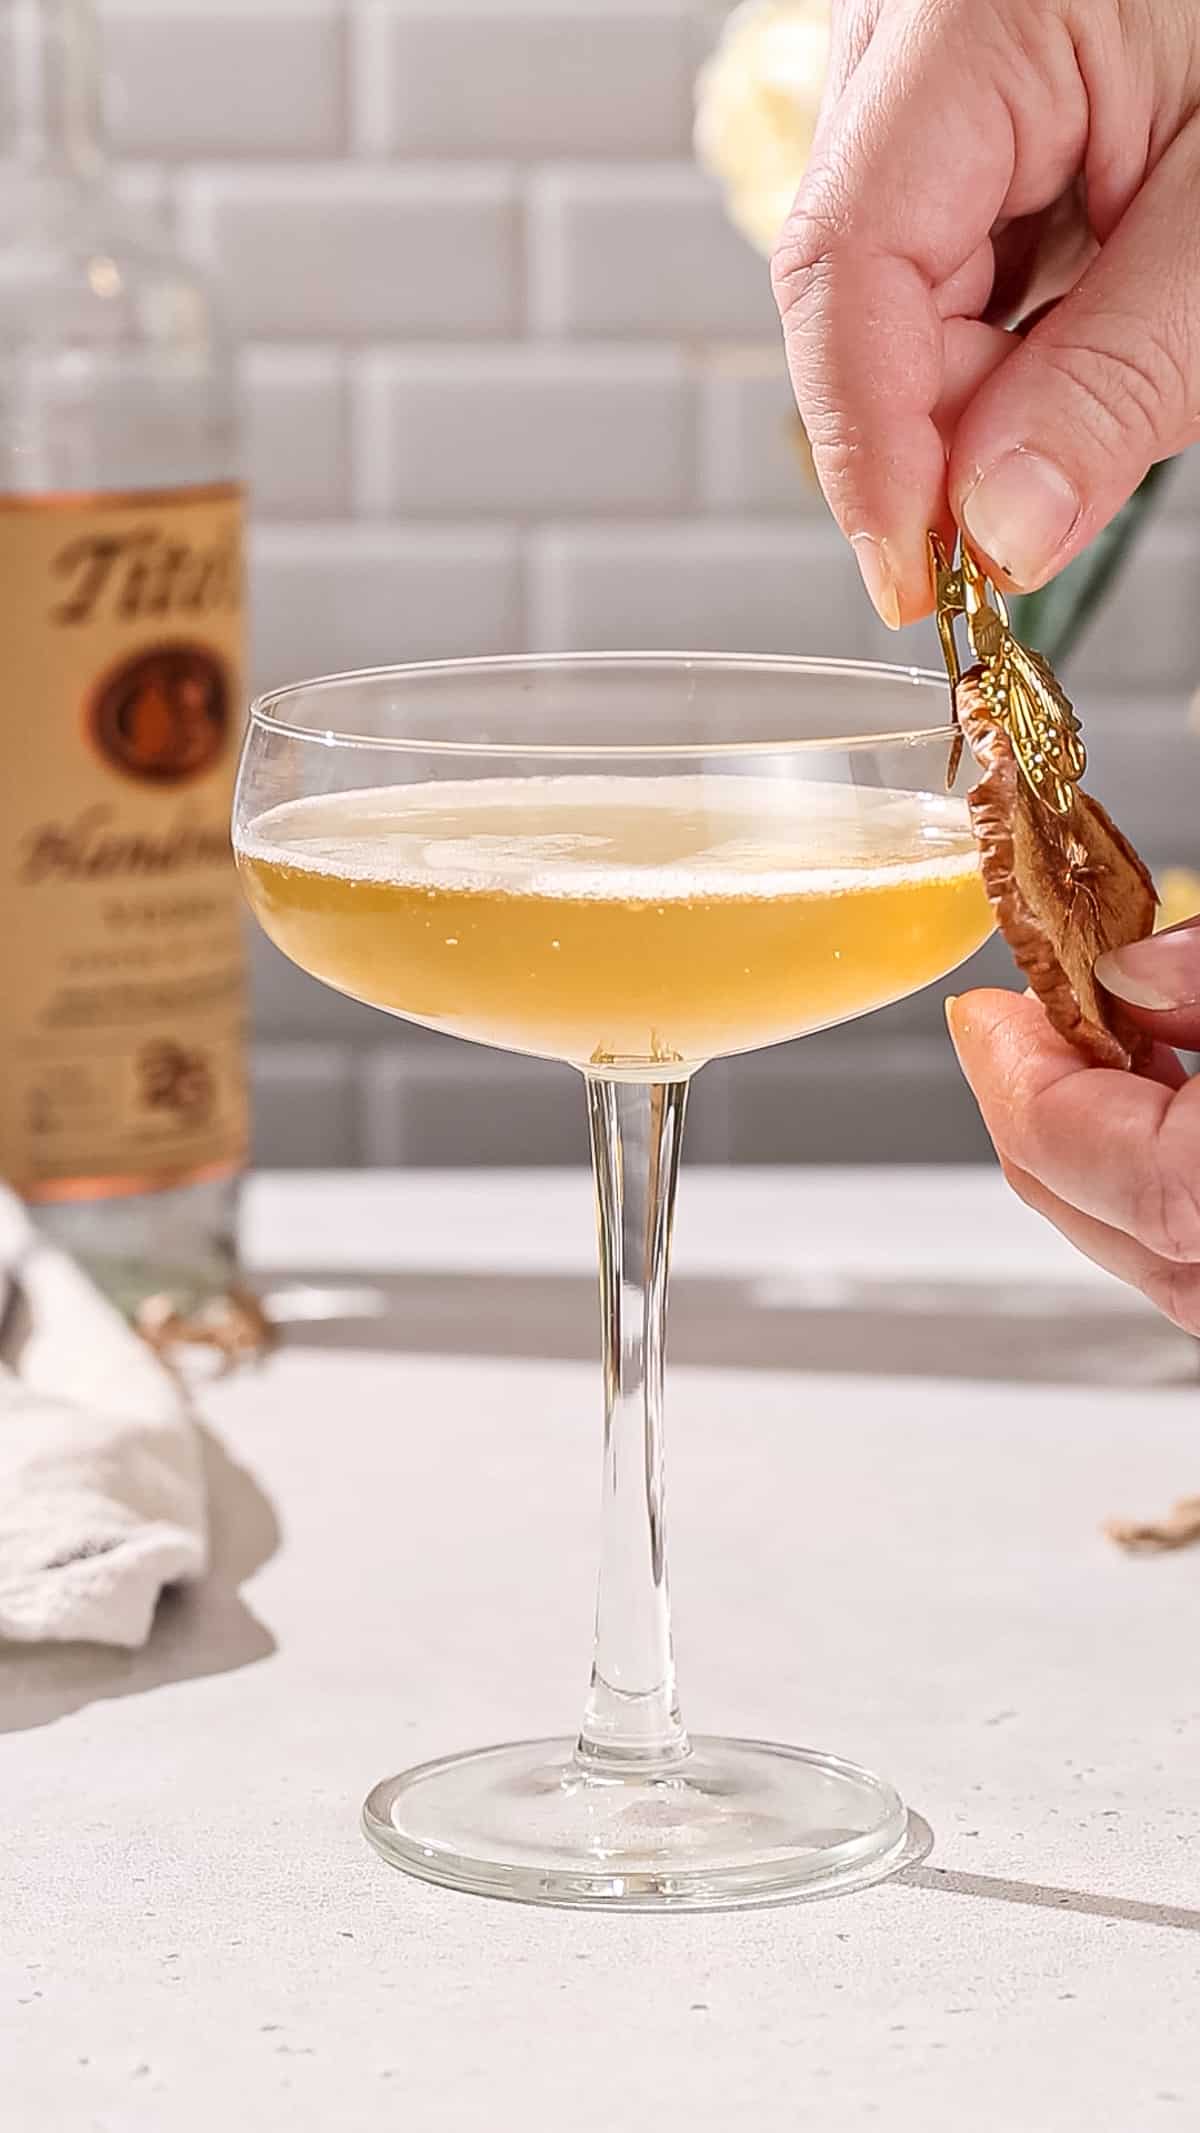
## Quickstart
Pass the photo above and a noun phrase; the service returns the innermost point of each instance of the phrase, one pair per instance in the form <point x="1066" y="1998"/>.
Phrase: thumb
<point x="1158" y="980"/>
<point x="1106" y="383"/>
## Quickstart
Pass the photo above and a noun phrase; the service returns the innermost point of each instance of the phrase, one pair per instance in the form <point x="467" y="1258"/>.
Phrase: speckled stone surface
<point x="895" y="1555"/>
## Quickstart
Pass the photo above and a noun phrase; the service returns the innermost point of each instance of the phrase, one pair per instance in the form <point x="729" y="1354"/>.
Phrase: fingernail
<point x="1019" y="513"/>
<point x="1161" y="973"/>
<point x="878" y="577"/>
<point x="949" y="1004"/>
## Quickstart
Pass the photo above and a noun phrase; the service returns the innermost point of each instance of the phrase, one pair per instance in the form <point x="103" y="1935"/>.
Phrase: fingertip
<point x="914" y="571"/>
<point x="916" y="597"/>
<point x="981" y="1012"/>
<point x="896" y="575"/>
<point x="966" y="1014"/>
<point x="874" y="559"/>
<point x="1002" y="1037"/>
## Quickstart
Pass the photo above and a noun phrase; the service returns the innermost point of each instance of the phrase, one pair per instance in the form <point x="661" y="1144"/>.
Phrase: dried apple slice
<point x="1064" y="887"/>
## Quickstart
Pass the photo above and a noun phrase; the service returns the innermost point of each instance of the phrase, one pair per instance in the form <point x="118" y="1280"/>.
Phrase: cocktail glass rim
<point x="264" y="708"/>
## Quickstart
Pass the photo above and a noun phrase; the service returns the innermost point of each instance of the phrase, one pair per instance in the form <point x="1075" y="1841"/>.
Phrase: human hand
<point x="975" y="160"/>
<point x="1112" y="1159"/>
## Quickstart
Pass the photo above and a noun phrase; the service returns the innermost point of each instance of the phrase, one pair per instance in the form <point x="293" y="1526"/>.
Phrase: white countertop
<point x="893" y="1553"/>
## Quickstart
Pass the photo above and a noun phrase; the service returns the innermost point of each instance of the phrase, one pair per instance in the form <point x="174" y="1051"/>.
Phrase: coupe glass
<point x="632" y="864"/>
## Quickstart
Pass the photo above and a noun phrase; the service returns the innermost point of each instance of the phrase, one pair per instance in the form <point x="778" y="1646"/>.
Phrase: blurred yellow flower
<point x="1179" y="897"/>
<point x="757" y="101"/>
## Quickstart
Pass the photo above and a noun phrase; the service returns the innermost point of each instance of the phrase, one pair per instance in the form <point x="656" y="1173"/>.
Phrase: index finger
<point x="888" y="244"/>
<point x="1122" y="1148"/>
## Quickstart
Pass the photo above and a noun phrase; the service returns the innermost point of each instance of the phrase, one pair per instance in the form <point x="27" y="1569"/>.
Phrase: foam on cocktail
<point x="605" y="837"/>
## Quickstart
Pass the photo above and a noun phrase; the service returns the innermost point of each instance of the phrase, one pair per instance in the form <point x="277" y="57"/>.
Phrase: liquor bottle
<point x="122" y="1083"/>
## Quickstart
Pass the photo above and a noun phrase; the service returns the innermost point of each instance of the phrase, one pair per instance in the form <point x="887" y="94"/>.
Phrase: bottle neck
<point x="50" y="116"/>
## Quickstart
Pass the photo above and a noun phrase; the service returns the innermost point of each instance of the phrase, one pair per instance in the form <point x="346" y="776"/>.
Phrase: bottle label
<point x="122" y="998"/>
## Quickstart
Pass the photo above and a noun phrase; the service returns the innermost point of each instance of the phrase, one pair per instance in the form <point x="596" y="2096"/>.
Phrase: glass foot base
<point x="735" y="1822"/>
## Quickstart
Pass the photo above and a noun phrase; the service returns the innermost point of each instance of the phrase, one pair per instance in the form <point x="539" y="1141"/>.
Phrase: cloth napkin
<point x="102" y="1497"/>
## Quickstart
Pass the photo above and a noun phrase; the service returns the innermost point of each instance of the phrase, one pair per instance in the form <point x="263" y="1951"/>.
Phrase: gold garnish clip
<point x="1017" y="686"/>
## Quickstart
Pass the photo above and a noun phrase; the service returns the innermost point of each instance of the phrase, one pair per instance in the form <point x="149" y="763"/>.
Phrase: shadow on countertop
<point x="1043" y="1896"/>
<point x="199" y="1629"/>
<point x="984" y="1330"/>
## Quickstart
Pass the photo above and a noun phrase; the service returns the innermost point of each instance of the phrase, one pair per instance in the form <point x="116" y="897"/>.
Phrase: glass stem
<point x="632" y="1719"/>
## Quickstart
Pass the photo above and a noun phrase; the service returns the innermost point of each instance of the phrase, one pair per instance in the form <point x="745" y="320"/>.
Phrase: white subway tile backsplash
<point x="146" y="189"/>
<point x="297" y="461"/>
<point x="305" y="1106"/>
<point x="1147" y="635"/>
<point x="512" y="380"/>
<point x="1144" y="764"/>
<point x="701" y="586"/>
<point x="359" y="251"/>
<point x="524" y="78"/>
<point x="226" y="77"/>
<point x="329" y="598"/>
<point x="444" y="1103"/>
<point x="753" y="453"/>
<point x="644" y="249"/>
<point x="524" y="431"/>
<point x="844" y="1097"/>
<point x="451" y="1103"/>
<point x="1181" y="492"/>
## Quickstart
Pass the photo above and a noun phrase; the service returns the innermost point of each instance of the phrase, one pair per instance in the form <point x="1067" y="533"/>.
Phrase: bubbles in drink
<point x="621" y="917"/>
